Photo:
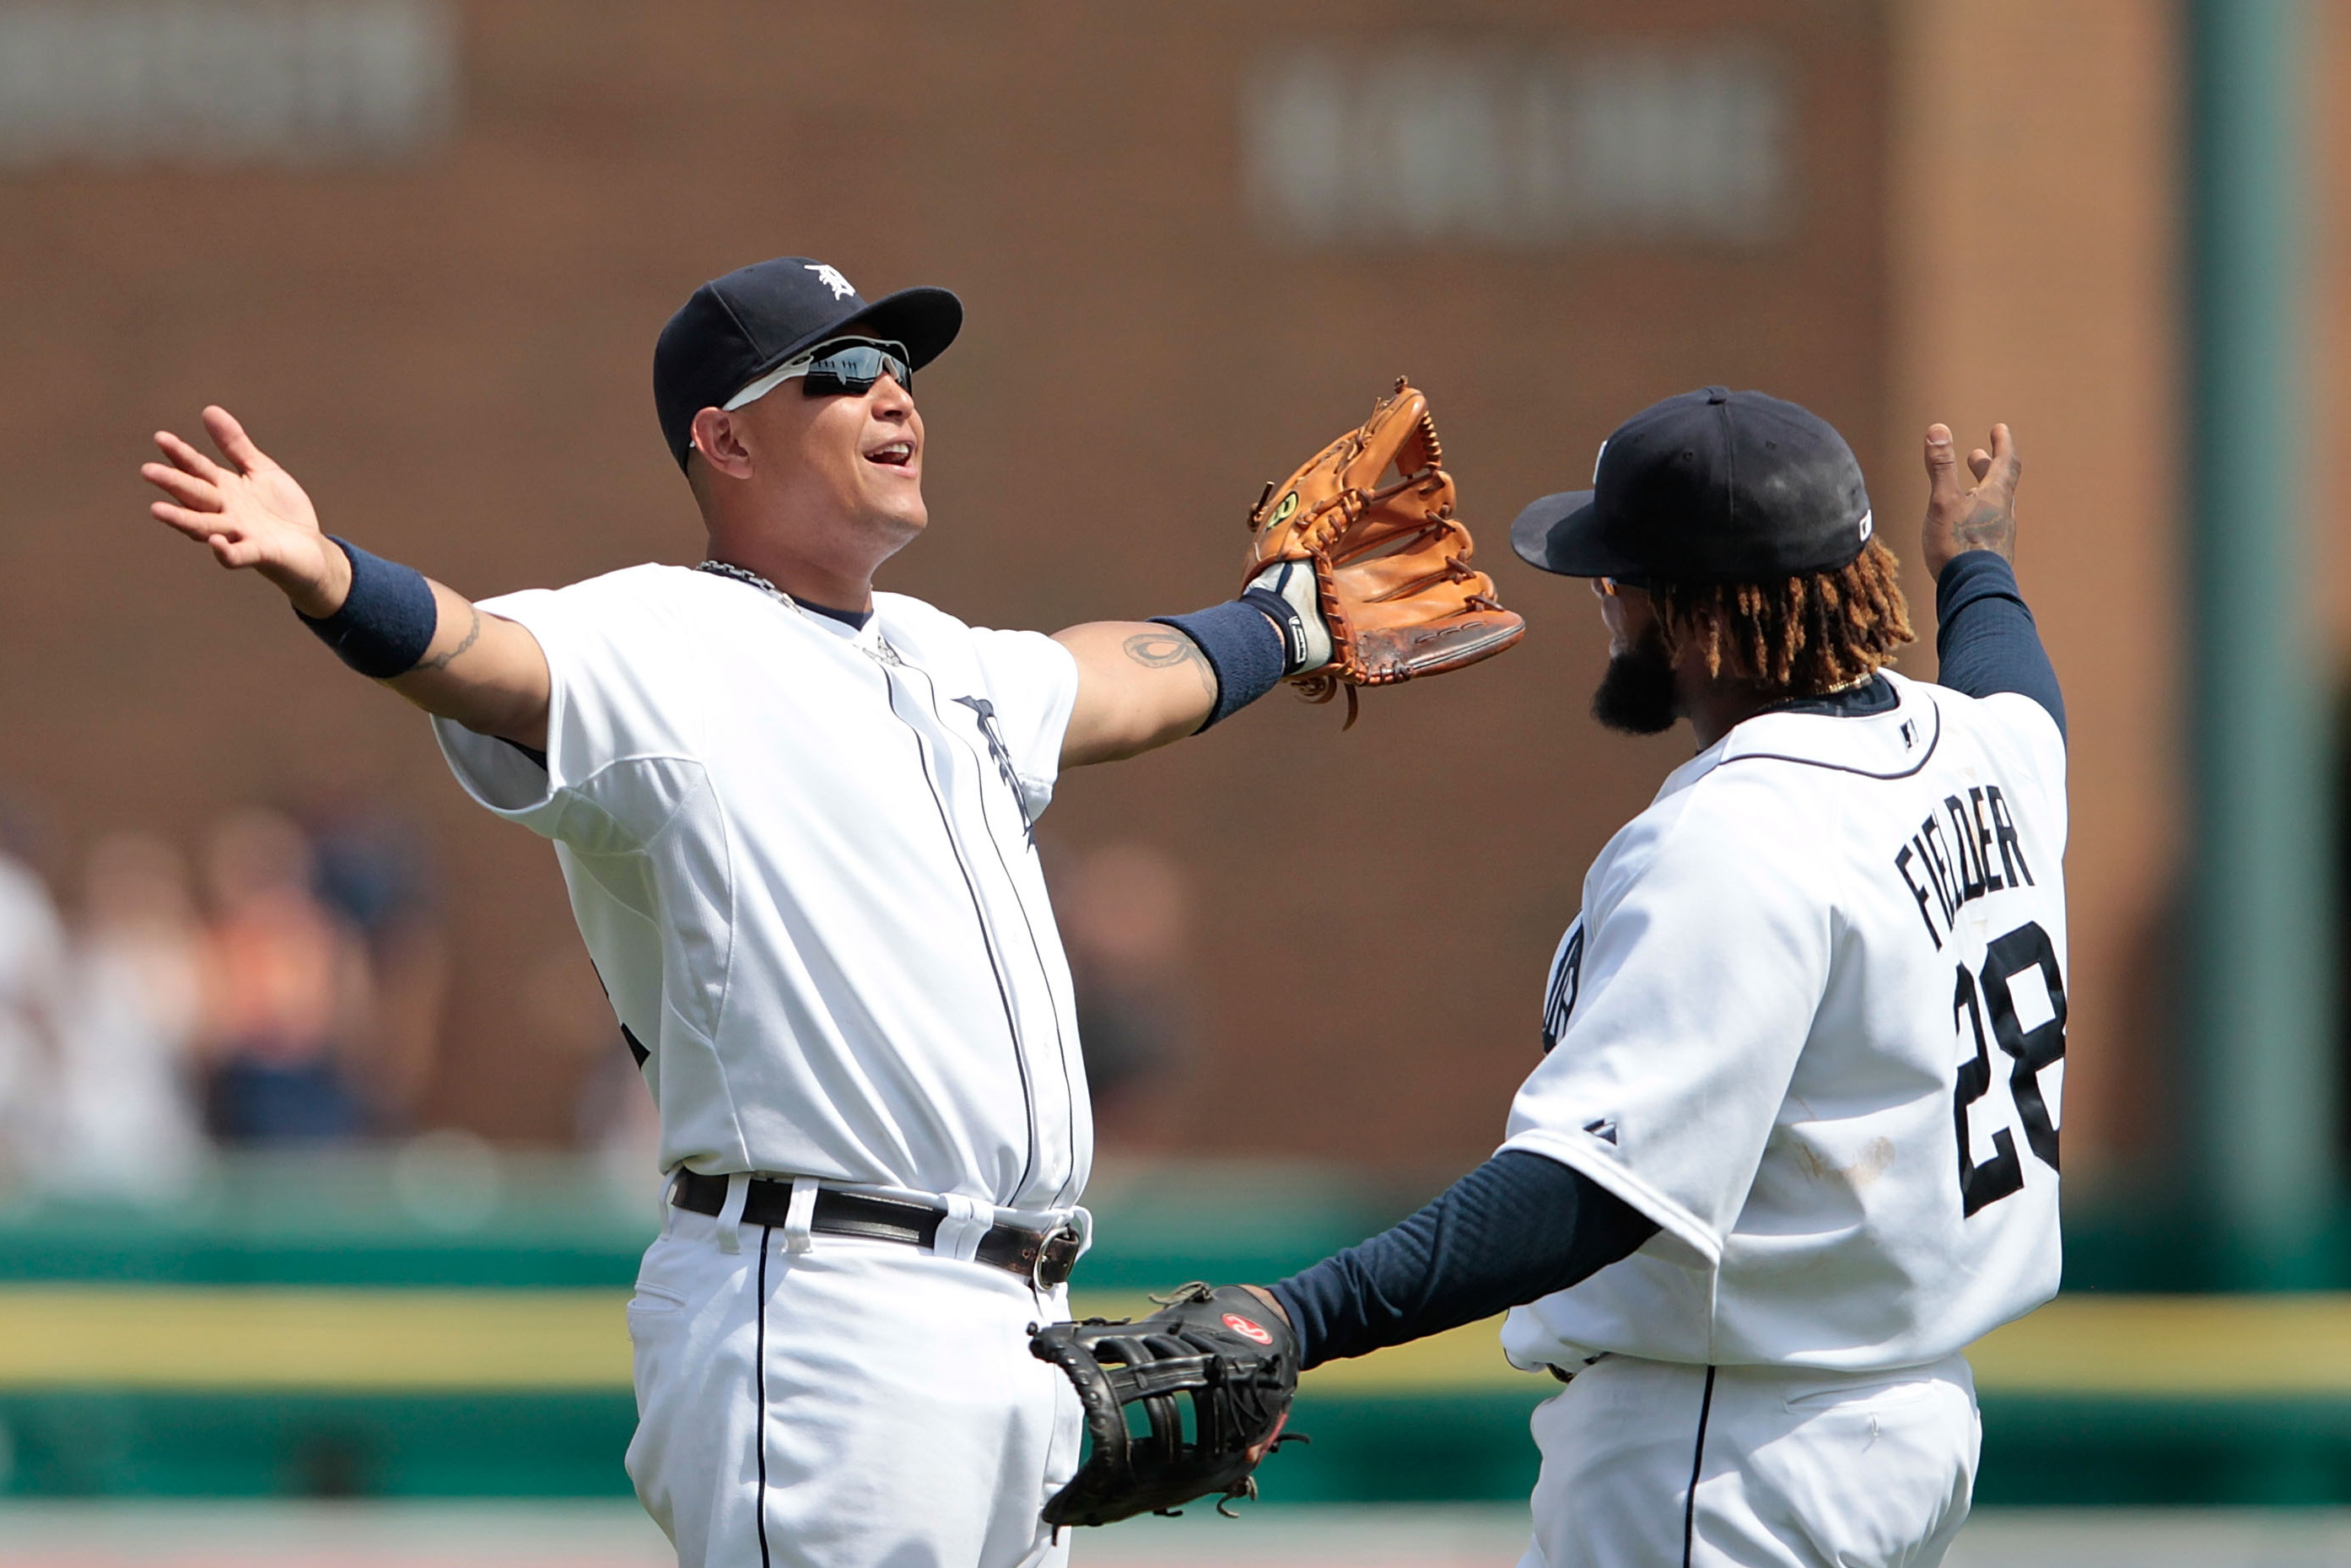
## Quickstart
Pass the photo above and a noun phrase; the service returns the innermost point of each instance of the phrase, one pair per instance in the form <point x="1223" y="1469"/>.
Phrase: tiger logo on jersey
<point x="1566" y="979"/>
<point x="1002" y="755"/>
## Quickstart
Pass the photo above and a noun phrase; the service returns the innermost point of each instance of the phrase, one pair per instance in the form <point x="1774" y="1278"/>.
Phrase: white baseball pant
<point x="857" y="1404"/>
<point x="1651" y="1464"/>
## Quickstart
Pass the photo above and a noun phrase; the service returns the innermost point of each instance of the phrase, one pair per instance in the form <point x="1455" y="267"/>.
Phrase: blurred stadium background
<point x="322" y="1171"/>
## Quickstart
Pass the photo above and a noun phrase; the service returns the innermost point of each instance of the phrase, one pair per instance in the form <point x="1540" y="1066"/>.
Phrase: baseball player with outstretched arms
<point x="1793" y="1140"/>
<point x="795" y="819"/>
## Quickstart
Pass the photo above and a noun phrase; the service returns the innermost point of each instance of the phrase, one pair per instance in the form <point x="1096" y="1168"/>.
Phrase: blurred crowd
<point x="1124" y="908"/>
<point x="282" y="983"/>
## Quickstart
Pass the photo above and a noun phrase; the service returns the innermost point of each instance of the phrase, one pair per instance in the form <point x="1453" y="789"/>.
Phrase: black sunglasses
<point x="849" y="365"/>
<point x="854" y="367"/>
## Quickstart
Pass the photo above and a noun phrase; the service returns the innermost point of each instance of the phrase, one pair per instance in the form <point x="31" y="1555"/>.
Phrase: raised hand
<point x="250" y="513"/>
<point x="1981" y="518"/>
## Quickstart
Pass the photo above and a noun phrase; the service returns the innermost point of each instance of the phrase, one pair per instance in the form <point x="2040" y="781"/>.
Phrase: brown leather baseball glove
<point x="1371" y="519"/>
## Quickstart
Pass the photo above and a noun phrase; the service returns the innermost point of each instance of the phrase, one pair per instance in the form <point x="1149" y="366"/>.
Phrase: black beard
<point x="1636" y="695"/>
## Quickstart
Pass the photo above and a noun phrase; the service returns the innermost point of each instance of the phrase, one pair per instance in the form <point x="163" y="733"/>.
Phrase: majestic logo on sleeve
<point x="832" y="279"/>
<point x="985" y="710"/>
<point x="1566" y="980"/>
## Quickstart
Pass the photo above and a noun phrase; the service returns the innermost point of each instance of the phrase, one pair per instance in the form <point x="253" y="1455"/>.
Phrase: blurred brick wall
<point x="454" y="357"/>
<point x="2032" y="228"/>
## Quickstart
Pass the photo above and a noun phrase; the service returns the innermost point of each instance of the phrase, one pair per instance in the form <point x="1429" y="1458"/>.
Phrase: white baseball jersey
<point x="1812" y="1022"/>
<point x="800" y="856"/>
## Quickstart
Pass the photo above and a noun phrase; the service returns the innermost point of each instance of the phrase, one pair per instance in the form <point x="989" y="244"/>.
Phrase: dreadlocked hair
<point x="1805" y="635"/>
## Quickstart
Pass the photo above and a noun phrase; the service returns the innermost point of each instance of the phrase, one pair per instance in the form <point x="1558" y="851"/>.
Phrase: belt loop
<point x="669" y="1197"/>
<point x="961" y="1229"/>
<point x="730" y="1213"/>
<point x="800" y="1214"/>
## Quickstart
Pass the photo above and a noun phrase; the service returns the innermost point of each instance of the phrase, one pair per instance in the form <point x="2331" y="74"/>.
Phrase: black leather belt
<point x="1044" y="1258"/>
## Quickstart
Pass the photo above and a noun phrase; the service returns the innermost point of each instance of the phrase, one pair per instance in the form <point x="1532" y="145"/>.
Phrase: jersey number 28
<point x="1988" y="998"/>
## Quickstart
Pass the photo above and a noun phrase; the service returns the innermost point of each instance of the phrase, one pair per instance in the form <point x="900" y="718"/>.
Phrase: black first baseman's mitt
<point x="1221" y="1348"/>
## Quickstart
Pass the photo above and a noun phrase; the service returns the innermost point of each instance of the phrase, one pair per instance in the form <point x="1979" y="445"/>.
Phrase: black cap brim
<point x="1562" y="533"/>
<point x="925" y="320"/>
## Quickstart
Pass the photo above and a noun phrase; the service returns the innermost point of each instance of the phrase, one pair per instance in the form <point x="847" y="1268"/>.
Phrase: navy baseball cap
<point x="737" y="328"/>
<point x="1710" y="486"/>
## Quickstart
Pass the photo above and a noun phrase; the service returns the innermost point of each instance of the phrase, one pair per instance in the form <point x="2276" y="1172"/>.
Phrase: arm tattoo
<point x="1158" y="650"/>
<point x="1166" y="650"/>
<point x="441" y="661"/>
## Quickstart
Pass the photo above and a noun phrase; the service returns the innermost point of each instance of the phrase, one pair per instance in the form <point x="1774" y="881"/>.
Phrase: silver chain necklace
<point x="743" y="574"/>
<point x="880" y="651"/>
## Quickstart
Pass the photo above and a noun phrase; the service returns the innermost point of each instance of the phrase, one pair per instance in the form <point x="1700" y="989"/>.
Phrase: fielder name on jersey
<point x="1984" y="856"/>
<point x="1811" y="1021"/>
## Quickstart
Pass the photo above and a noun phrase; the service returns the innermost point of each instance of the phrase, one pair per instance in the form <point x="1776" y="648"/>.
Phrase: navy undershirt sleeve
<point x="1519" y="1226"/>
<point x="1986" y="641"/>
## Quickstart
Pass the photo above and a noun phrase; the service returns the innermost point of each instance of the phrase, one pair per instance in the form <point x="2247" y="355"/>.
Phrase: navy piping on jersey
<point x="1987" y="643"/>
<point x="980" y="914"/>
<point x="1698" y="1466"/>
<point x="1843" y="768"/>
<point x="857" y="619"/>
<point x="1028" y="921"/>
<point x="759" y="1378"/>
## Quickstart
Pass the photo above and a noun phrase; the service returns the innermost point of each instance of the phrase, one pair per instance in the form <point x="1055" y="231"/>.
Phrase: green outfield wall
<point x="309" y="1330"/>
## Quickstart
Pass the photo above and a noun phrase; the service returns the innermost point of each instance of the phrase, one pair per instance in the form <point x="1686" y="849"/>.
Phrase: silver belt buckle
<point x="1044" y="1257"/>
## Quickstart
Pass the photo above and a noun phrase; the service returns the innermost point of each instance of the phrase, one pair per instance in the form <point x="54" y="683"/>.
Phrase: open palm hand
<point x="250" y="512"/>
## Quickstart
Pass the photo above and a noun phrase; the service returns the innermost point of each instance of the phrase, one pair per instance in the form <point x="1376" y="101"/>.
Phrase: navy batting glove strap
<point x="1243" y="647"/>
<point x="387" y="619"/>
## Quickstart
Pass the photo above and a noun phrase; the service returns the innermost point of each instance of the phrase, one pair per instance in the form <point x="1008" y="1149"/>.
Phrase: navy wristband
<point x="1246" y="652"/>
<point x="387" y="619"/>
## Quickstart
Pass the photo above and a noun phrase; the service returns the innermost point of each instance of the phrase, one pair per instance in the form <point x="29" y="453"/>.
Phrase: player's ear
<point x="720" y="443"/>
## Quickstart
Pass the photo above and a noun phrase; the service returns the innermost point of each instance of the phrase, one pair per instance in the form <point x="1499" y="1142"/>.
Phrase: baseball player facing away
<point x="794" y="816"/>
<point x="1793" y="1140"/>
